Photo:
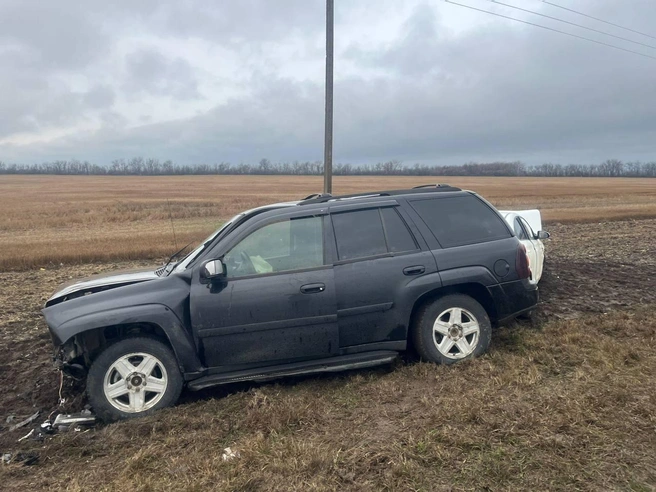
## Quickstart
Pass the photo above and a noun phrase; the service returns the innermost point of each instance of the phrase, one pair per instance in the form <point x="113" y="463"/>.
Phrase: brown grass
<point x="54" y="219"/>
<point x="568" y="406"/>
<point x="567" y="402"/>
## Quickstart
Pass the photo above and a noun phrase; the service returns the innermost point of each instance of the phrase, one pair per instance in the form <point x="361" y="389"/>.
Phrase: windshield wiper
<point x="173" y="256"/>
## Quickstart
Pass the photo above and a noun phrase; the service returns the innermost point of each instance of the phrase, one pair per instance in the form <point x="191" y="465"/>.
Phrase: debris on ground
<point x="63" y="422"/>
<point x="229" y="454"/>
<point x="28" y="459"/>
<point x="47" y="427"/>
<point x="23" y="423"/>
<point x="26" y="435"/>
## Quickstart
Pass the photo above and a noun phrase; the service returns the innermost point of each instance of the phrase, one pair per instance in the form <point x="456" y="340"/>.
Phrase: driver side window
<point x="528" y="228"/>
<point x="291" y="244"/>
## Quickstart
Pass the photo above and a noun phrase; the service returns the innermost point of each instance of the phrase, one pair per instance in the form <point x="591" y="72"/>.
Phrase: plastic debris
<point x="26" y="435"/>
<point x="6" y="458"/>
<point x="47" y="427"/>
<point x="22" y="423"/>
<point x="38" y="436"/>
<point x="229" y="454"/>
<point x="64" y="421"/>
<point x="28" y="459"/>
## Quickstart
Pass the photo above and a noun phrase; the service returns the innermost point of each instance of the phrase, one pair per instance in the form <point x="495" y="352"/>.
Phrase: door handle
<point x="414" y="270"/>
<point x="312" y="288"/>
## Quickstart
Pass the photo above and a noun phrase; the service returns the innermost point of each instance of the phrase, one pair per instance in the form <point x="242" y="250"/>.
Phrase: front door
<point x="276" y="303"/>
<point x="526" y="239"/>
<point x="538" y="248"/>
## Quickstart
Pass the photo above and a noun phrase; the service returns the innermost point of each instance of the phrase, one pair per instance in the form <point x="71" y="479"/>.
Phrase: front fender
<point x="159" y="314"/>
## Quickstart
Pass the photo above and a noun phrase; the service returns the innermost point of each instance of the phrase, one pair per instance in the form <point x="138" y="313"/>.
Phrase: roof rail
<point x="317" y="195"/>
<point x="436" y="185"/>
<point x="317" y="198"/>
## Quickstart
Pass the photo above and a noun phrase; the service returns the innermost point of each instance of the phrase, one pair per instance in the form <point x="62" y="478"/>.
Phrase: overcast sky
<point x="238" y="80"/>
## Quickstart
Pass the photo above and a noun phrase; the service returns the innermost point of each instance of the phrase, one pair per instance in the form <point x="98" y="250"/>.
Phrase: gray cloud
<point x="99" y="97"/>
<point x="150" y="71"/>
<point x="53" y="35"/>
<point x="245" y="23"/>
<point x="420" y="93"/>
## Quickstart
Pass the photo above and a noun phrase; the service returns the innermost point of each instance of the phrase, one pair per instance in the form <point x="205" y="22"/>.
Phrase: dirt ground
<point x="599" y="267"/>
<point x="541" y="396"/>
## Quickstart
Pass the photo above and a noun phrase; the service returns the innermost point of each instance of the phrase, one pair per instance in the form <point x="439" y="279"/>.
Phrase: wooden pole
<point x="328" y="128"/>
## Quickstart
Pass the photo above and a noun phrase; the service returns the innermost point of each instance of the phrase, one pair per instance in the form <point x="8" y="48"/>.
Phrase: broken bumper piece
<point x="64" y="421"/>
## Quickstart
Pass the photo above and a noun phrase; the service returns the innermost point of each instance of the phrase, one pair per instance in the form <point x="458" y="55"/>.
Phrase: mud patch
<point x="570" y="288"/>
<point x="596" y="268"/>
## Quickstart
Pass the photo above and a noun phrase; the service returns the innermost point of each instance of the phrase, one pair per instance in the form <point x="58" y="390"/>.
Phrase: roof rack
<point x="316" y="195"/>
<point x="431" y="188"/>
<point x="436" y="185"/>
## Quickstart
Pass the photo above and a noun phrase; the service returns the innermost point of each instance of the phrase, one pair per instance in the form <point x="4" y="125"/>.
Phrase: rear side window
<point x="460" y="220"/>
<point x="359" y="234"/>
<point x="371" y="232"/>
<point x="398" y="236"/>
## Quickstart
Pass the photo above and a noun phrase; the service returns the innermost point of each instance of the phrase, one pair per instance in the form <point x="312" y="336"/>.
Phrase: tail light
<point x="521" y="263"/>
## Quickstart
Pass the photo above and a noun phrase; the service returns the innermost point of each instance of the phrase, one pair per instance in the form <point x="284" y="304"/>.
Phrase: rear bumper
<point x="513" y="299"/>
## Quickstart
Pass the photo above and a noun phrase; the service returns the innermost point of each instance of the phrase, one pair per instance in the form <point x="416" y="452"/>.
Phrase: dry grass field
<point x="566" y="401"/>
<point x="49" y="220"/>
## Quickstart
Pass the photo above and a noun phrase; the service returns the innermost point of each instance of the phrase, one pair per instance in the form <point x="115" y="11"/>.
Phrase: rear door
<point x="377" y="256"/>
<point x="470" y="240"/>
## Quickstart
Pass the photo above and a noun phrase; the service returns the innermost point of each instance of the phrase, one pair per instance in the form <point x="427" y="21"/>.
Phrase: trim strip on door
<point x="371" y="308"/>
<point x="268" y="325"/>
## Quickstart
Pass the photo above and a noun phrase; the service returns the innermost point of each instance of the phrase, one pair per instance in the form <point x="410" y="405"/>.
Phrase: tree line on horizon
<point x="138" y="166"/>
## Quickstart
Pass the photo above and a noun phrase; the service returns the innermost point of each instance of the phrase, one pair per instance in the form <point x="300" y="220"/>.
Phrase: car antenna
<point x="175" y="241"/>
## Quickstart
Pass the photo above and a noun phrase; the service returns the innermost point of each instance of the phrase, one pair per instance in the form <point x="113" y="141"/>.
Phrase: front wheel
<point x="452" y="328"/>
<point x="133" y="377"/>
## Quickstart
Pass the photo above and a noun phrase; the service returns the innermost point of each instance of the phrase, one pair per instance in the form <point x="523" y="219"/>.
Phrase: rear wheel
<point x="452" y="328"/>
<point x="133" y="377"/>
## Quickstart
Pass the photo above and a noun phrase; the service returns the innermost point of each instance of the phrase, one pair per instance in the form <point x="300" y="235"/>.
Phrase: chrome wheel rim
<point x="456" y="333"/>
<point x="135" y="382"/>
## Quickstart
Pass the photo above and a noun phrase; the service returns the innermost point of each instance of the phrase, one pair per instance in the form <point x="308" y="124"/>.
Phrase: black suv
<point x="322" y="284"/>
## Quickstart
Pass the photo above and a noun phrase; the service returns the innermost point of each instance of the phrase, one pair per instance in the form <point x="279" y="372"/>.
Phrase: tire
<point x="120" y="378"/>
<point x="440" y="337"/>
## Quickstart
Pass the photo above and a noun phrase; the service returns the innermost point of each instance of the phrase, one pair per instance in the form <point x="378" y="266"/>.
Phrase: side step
<point x="332" y="364"/>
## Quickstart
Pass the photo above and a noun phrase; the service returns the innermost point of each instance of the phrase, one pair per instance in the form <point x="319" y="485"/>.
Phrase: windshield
<point x="182" y="264"/>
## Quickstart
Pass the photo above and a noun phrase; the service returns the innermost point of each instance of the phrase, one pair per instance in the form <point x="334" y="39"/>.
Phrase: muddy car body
<point x="322" y="284"/>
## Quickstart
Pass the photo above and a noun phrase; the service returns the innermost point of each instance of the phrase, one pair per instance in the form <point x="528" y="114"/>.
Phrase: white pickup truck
<point x="527" y="225"/>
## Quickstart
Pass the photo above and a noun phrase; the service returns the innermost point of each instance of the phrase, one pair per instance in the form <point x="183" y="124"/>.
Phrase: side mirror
<point x="543" y="235"/>
<point x="213" y="269"/>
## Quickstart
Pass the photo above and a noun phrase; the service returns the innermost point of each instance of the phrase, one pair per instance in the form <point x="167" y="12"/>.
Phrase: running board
<point x="332" y="364"/>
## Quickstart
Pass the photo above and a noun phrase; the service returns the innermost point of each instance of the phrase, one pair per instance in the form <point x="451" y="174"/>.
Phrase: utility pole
<point x="328" y="136"/>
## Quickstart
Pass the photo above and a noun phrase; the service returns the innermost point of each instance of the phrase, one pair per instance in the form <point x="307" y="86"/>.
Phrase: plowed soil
<point x="599" y="267"/>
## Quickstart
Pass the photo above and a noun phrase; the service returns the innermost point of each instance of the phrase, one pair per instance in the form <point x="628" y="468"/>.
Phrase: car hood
<point x="101" y="282"/>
